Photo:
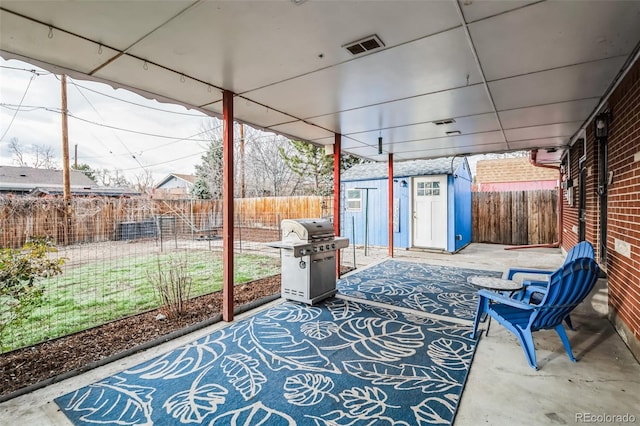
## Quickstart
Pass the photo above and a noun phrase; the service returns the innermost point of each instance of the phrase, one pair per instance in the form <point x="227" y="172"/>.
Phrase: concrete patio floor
<point x="501" y="388"/>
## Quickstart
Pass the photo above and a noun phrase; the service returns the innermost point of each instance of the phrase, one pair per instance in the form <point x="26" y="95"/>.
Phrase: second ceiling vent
<point x="366" y="44"/>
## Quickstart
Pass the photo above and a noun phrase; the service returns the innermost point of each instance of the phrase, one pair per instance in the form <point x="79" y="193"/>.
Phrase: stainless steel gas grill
<point x="308" y="249"/>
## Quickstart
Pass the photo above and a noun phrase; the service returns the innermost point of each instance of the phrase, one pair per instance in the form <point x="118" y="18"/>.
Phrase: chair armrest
<point x="497" y="297"/>
<point x="531" y="290"/>
<point x="513" y="271"/>
<point x="527" y="283"/>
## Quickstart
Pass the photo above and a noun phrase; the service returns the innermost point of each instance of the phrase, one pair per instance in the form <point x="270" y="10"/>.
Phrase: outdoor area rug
<point x="438" y="290"/>
<point x="337" y="363"/>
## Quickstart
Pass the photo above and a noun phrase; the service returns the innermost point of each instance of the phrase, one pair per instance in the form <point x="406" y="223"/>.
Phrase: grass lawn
<point x="92" y="294"/>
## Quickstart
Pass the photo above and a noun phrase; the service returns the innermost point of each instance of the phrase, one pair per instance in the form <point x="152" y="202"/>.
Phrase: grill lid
<point x="306" y="229"/>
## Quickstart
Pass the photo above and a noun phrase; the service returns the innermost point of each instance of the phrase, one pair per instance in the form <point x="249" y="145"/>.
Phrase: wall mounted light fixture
<point x="601" y="125"/>
<point x="403" y="183"/>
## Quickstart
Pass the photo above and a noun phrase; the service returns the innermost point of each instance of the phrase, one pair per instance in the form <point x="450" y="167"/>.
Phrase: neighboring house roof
<point x="189" y="179"/>
<point x="512" y="170"/>
<point x="437" y="166"/>
<point x="96" y="191"/>
<point x="25" y="179"/>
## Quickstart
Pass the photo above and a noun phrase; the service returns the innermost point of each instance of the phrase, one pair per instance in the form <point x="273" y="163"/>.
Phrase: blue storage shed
<point x="431" y="204"/>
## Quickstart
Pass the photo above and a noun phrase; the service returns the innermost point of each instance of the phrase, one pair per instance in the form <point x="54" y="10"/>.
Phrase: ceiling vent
<point x="454" y="133"/>
<point x="446" y="121"/>
<point x="366" y="44"/>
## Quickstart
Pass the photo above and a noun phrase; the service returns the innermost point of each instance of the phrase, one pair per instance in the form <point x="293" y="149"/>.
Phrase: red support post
<point x="227" y="207"/>
<point x="337" y="153"/>
<point x="390" y="203"/>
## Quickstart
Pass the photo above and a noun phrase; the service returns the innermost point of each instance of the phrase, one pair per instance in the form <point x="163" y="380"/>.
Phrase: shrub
<point x="172" y="285"/>
<point x="20" y="270"/>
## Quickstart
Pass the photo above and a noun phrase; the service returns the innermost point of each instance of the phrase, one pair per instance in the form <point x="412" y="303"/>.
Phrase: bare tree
<point x="18" y="155"/>
<point x="41" y="156"/>
<point x="111" y="178"/>
<point x="266" y="171"/>
<point x="144" y="182"/>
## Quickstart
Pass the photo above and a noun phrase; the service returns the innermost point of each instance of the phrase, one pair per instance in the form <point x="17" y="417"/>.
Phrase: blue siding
<point x="378" y="213"/>
<point x="458" y="211"/>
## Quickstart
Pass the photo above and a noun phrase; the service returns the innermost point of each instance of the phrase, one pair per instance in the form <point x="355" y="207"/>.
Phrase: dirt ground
<point x="34" y="364"/>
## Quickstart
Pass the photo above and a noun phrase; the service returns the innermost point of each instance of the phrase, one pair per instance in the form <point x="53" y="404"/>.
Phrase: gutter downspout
<point x="533" y="154"/>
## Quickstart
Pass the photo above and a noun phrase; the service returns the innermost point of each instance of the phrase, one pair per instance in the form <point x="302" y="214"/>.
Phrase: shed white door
<point x="430" y="212"/>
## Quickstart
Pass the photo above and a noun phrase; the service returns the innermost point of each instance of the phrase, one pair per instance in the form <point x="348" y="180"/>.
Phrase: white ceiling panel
<point x="539" y="132"/>
<point x="553" y="34"/>
<point x="431" y="64"/>
<point x="455" y="141"/>
<point x="538" y="143"/>
<point x="117" y="24"/>
<point x="158" y="80"/>
<point x="470" y="124"/>
<point x="252" y="113"/>
<point x="475" y="10"/>
<point x="346" y="142"/>
<point x="558" y="85"/>
<point x="25" y="37"/>
<point x="234" y="39"/>
<point x="546" y="114"/>
<point x="304" y="131"/>
<point x="451" y="150"/>
<point x="470" y="100"/>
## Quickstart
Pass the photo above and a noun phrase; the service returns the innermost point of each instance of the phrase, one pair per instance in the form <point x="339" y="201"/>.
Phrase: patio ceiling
<point x="512" y="75"/>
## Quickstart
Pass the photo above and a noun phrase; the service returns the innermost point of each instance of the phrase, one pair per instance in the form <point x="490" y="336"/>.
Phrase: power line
<point x="33" y="76"/>
<point x="58" y="111"/>
<point x="116" y="136"/>
<point x="33" y="71"/>
<point x="166" y="162"/>
<point x="137" y="104"/>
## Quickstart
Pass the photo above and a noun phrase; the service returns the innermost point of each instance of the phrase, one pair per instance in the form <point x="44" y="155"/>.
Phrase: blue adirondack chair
<point x="567" y="287"/>
<point x="580" y="250"/>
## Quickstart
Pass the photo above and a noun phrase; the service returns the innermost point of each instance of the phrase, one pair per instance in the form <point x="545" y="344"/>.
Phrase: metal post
<point x="366" y="220"/>
<point x="353" y="239"/>
<point x="227" y="206"/>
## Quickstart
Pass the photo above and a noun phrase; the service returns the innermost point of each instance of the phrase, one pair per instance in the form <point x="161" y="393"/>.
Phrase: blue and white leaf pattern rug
<point x="438" y="290"/>
<point x="338" y="363"/>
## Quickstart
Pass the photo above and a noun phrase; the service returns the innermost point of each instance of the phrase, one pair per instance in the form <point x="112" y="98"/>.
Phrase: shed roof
<point x="438" y="166"/>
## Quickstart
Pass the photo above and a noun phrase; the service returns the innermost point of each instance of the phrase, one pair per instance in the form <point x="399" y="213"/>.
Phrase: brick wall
<point x="512" y="170"/>
<point x="623" y="207"/>
<point x="623" y="212"/>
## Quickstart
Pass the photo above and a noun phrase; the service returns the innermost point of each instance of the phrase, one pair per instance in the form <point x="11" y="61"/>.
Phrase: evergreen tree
<point x="86" y="169"/>
<point x="310" y="161"/>
<point x="208" y="182"/>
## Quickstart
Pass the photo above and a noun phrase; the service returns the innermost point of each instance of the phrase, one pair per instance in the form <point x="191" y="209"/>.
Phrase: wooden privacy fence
<point x="97" y="219"/>
<point x="516" y="217"/>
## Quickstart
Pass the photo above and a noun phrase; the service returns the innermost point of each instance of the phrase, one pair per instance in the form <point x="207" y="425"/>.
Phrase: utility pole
<point x="242" y="185"/>
<point x="75" y="156"/>
<point x="66" y="178"/>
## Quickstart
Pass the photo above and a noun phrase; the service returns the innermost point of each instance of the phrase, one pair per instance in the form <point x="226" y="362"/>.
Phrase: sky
<point x="113" y="129"/>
